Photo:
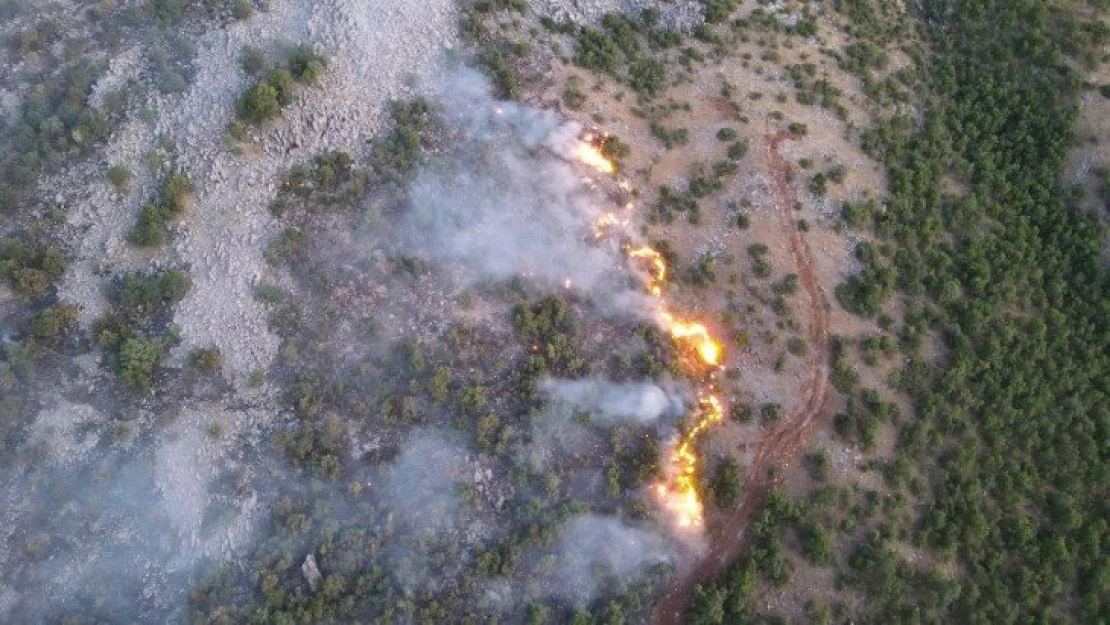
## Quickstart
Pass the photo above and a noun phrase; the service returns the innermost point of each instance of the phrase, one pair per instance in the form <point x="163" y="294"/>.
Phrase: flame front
<point x="657" y="267"/>
<point x="696" y="334"/>
<point x="589" y="154"/>
<point x="678" y="490"/>
<point x="679" y="494"/>
<point x="607" y="222"/>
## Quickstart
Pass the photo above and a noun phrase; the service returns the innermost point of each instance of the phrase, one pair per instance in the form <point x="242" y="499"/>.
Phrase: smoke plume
<point x="609" y="403"/>
<point x="506" y="202"/>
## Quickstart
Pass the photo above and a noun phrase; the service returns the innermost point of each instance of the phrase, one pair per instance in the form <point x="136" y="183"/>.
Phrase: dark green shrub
<point x="54" y="321"/>
<point x="173" y="192"/>
<point x="282" y="83"/>
<point x="252" y="59"/>
<point x="305" y="65"/>
<point x="138" y="358"/>
<point x="738" y="150"/>
<point x="726" y="483"/>
<point x="648" y="77"/>
<point x="119" y="176"/>
<point x="259" y="104"/>
<point x="206" y="360"/>
<point x="30" y="266"/>
<point x="771" y="413"/>
<point x="150" y="229"/>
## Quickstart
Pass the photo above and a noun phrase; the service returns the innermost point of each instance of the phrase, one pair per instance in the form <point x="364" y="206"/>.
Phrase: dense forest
<point x="1005" y="458"/>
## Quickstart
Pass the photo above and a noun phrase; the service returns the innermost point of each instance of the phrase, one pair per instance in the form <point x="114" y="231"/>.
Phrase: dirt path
<point x="783" y="444"/>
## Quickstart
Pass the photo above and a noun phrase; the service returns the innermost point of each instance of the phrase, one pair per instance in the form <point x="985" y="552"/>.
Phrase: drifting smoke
<point x="592" y="552"/>
<point x="169" y="502"/>
<point x="422" y="486"/>
<point x="611" y="402"/>
<point x="507" y="203"/>
<point x="127" y="523"/>
<point x="422" y="493"/>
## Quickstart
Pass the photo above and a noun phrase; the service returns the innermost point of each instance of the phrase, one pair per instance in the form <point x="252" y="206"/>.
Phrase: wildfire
<point x="709" y="350"/>
<point x="587" y="153"/>
<point x="679" y="494"/>
<point x="658" y="267"/>
<point x="607" y="222"/>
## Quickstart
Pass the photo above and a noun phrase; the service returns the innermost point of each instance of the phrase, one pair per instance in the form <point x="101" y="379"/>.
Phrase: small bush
<point x="30" y="266"/>
<point x="252" y="59"/>
<point x="738" y="150"/>
<point x="817" y="464"/>
<point x="818" y="184"/>
<point x="139" y="295"/>
<point x="670" y="138"/>
<point x="856" y="215"/>
<point x="572" y="94"/>
<point x="242" y="9"/>
<point x="741" y="413"/>
<point x="305" y="65"/>
<point x="717" y="11"/>
<point x="173" y="192"/>
<point x="770" y="413"/>
<point x="726" y="483"/>
<point x="119" y="176"/>
<point x="54" y="321"/>
<point x="726" y="134"/>
<point x="150" y="229"/>
<point x="502" y="74"/>
<point x="648" y="77"/>
<point x="614" y="149"/>
<point x="787" y="286"/>
<point x="282" y="82"/>
<point x="138" y="358"/>
<point x="797" y="346"/>
<point x="259" y="104"/>
<point x="206" y="360"/>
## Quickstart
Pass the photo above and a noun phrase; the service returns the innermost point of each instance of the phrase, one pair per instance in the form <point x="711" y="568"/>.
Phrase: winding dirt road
<point x="784" y="443"/>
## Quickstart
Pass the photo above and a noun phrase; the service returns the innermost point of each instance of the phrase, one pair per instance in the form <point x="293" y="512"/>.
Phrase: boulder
<point x="311" y="572"/>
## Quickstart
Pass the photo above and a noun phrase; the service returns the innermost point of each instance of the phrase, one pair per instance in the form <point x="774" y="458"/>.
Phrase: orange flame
<point x="680" y="494"/>
<point x="609" y="221"/>
<point x="658" y="268"/>
<point x="709" y="350"/>
<point x="588" y="154"/>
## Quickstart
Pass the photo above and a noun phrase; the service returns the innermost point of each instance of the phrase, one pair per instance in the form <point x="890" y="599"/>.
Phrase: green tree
<point x="138" y="358"/>
<point x="258" y="104"/>
<point x="726" y="483"/>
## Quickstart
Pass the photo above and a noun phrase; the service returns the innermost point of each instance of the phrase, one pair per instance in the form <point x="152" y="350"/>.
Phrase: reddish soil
<point x="785" y="442"/>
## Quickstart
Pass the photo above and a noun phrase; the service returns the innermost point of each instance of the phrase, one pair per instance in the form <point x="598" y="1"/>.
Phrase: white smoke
<point x="608" y="402"/>
<point x="507" y="202"/>
<point x="593" y="551"/>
